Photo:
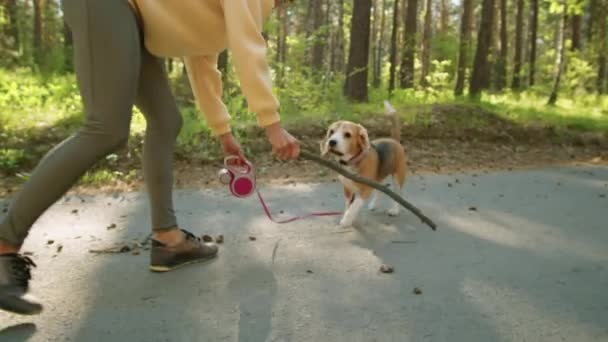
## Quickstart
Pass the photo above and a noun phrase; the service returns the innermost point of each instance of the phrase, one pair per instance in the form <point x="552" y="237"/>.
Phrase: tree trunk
<point x="406" y="73"/>
<point x="560" y="56"/>
<point x="393" y="53"/>
<point x="373" y="41"/>
<point x="355" y="86"/>
<point x="281" y="54"/>
<point x="68" y="48"/>
<point x="338" y="51"/>
<point x="480" y="77"/>
<point x="576" y="32"/>
<point x="444" y="22"/>
<point x="316" y="52"/>
<point x="13" y="26"/>
<point x="379" y="53"/>
<point x="37" y="39"/>
<point x="465" y="42"/>
<point x="426" y="43"/>
<point x="533" y="38"/>
<point x="519" y="23"/>
<point x="602" y="49"/>
<point x="591" y="9"/>
<point x="501" y="67"/>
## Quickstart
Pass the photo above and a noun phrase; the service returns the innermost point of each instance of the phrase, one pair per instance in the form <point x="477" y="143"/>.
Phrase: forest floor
<point x="451" y="138"/>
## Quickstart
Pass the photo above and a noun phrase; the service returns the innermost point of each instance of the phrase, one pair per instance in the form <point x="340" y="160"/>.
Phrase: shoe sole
<point x="21" y="307"/>
<point x="163" y="269"/>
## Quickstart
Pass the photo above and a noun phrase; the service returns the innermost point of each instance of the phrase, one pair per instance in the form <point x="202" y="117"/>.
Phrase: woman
<point x="115" y="43"/>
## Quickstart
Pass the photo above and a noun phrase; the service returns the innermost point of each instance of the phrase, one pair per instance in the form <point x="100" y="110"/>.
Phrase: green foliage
<point x="26" y="98"/>
<point x="580" y="76"/>
<point x="11" y="159"/>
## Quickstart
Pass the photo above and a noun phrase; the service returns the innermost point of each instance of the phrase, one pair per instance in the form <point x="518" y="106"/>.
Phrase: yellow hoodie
<point x="198" y="30"/>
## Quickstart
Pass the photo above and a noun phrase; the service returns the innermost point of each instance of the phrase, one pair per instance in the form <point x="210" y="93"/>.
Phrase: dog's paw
<point x="394" y="211"/>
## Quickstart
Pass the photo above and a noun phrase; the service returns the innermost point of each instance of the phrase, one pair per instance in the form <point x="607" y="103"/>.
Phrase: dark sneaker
<point x="14" y="283"/>
<point x="164" y="258"/>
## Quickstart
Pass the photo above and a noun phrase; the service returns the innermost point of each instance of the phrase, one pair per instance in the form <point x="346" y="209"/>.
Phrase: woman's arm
<point x="244" y="21"/>
<point x="206" y="83"/>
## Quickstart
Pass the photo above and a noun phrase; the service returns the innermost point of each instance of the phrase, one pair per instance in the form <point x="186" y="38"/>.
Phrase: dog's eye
<point x="331" y="132"/>
<point x="347" y="135"/>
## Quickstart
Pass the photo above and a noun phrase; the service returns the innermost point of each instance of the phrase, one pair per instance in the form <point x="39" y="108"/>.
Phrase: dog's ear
<point x="363" y="138"/>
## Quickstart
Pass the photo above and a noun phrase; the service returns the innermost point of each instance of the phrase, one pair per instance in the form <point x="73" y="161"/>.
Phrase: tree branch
<point x="358" y="179"/>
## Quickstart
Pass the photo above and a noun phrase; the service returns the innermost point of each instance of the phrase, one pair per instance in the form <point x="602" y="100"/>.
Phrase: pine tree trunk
<point x="465" y="42"/>
<point x="560" y="56"/>
<point x="576" y="32"/>
<point x="602" y="49"/>
<point x="519" y="23"/>
<point x="379" y="53"/>
<point x="338" y="51"/>
<point x="68" y="48"/>
<point x="37" y="38"/>
<point x="444" y="25"/>
<point x="533" y="38"/>
<point x="374" y="37"/>
<point x="355" y="86"/>
<point x="480" y="77"/>
<point x="282" y="32"/>
<point x="592" y="10"/>
<point x="406" y="73"/>
<point x="316" y="53"/>
<point x="13" y="26"/>
<point x="426" y="43"/>
<point x="501" y="67"/>
<point x="393" y="53"/>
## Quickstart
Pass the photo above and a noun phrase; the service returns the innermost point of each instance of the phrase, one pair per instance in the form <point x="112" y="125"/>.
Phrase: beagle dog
<point x="349" y="143"/>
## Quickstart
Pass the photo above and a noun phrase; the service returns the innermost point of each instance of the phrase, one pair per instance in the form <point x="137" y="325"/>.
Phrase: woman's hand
<point x="284" y="145"/>
<point x="231" y="146"/>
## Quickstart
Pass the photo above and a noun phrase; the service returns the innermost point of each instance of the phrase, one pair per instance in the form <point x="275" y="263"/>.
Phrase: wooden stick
<point x="323" y="162"/>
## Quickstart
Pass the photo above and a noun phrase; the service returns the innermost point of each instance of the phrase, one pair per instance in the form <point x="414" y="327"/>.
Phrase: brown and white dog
<point x="349" y="143"/>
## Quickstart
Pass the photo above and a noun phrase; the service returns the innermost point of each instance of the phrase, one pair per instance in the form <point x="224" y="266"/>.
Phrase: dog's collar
<point x="356" y="159"/>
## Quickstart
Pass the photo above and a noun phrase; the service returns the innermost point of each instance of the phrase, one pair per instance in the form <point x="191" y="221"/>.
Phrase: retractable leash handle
<point x="240" y="177"/>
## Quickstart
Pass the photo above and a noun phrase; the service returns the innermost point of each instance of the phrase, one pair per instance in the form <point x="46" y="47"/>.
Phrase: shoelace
<point x="190" y="236"/>
<point x="21" y="270"/>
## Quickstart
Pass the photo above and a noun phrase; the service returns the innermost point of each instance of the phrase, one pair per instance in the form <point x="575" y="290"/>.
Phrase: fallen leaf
<point x="417" y="291"/>
<point x="50" y="242"/>
<point x="252" y="238"/>
<point x="59" y="248"/>
<point x="309" y="271"/>
<point x="602" y="195"/>
<point x="387" y="269"/>
<point x="473" y="208"/>
<point x="112" y="226"/>
<point x="75" y="211"/>
<point x="219" y="239"/>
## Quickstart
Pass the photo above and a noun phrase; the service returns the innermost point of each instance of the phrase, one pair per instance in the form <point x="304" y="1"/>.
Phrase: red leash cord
<point x="295" y="218"/>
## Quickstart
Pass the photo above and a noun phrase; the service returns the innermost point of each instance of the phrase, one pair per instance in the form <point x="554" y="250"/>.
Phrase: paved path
<point x="529" y="264"/>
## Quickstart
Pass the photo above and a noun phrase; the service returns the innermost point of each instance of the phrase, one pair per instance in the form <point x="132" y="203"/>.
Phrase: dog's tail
<point x="395" y="121"/>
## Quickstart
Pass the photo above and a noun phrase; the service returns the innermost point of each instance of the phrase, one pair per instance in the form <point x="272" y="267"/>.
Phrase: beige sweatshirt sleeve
<point x="244" y="23"/>
<point x="206" y="83"/>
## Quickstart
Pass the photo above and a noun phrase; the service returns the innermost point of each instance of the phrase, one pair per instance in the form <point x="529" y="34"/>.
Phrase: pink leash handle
<point x="295" y="218"/>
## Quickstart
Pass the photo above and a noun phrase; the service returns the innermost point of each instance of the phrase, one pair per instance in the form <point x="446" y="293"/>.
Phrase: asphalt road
<point x="518" y="256"/>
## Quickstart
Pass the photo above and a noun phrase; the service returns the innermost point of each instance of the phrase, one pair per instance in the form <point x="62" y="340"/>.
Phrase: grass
<point x="36" y="113"/>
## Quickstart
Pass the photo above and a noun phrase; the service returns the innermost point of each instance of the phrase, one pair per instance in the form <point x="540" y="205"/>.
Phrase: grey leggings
<point x="114" y="72"/>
